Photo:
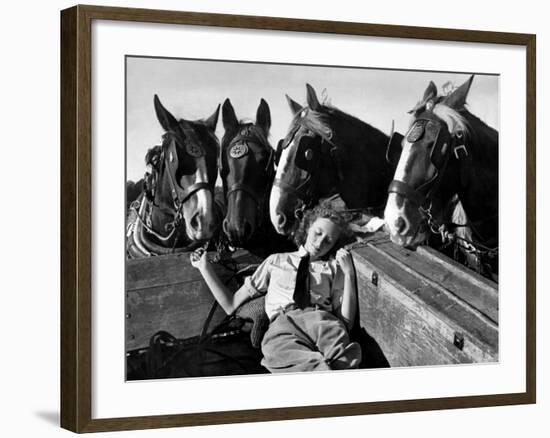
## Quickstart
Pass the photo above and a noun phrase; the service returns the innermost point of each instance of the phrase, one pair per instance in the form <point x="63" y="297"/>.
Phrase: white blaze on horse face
<point x="394" y="213"/>
<point x="199" y="214"/>
<point x="275" y="197"/>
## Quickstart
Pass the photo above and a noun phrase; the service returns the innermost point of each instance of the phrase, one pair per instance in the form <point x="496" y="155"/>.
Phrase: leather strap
<point x="243" y="188"/>
<point x="405" y="190"/>
<point x="304" y="194"/>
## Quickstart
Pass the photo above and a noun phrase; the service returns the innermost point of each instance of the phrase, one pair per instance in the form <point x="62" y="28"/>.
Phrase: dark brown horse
<point x="447" y="151"/>
<point x="327" y="152"/>
<point x="176" y="211"/>
<point x="247" y="170"/>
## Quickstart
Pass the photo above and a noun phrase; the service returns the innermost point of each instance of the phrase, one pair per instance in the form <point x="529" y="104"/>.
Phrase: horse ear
<point x="457" y="99"/>
<point x="212" y="121"/>
<point x="312" y="100"/>
<point x="430" y="92"/>
<point x="166" y="119"/>
<point x="295" y="107"/>
<point x="228" y="116"/>
<point x="263" y="116"/>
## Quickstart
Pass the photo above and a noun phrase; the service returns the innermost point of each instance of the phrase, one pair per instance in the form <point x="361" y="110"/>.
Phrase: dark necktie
<point x="301" y="289"/>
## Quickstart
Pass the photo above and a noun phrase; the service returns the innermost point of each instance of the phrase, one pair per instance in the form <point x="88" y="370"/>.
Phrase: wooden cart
<point x="419" y="306"/>
<point x="423" y="308"/>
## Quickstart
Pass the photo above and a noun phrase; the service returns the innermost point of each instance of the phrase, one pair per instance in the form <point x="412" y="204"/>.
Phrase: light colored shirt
<point x="276" y="278"/>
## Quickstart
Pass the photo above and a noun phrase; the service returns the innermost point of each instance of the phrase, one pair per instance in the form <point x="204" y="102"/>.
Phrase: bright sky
<point x="192" y="89"/>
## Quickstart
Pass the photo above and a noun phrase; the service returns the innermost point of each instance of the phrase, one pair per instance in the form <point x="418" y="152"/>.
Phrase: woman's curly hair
<point x="324" y="211"/>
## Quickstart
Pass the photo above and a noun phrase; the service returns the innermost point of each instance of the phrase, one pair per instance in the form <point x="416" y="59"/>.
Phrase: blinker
<point x="417" y="131"/>
<point x="193" y="150"/>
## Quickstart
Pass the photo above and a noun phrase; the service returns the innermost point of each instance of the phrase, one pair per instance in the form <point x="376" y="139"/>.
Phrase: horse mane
<point x="152" y="155"/>
<point x="316" y="120"/>
<point x="319" y="120"/>
<point x="454" y="120"/>
<point x="362" y="151"/>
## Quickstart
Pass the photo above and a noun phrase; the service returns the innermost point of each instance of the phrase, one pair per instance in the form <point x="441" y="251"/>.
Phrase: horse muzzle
<point x="403" y="222"/>
<point x="282" y="210"/>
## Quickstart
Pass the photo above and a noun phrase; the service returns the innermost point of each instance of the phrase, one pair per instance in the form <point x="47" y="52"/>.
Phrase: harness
<point x="181" y="195"/>
<point x="439" y="157"/>
<point x="142" y="209"/>
<point x="422" y="195"/>
<point x="306" y="190"/>
<point x="240" y="147"/>
<point x="137" y="243"/>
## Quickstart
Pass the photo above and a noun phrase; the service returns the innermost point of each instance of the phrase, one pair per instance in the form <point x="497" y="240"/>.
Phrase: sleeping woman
<point x="310" y="298"/>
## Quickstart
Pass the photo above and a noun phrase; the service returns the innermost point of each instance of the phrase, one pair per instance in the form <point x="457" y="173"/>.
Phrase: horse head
<point x="246" y="170"/>
<point x="307" y="167"/>
<point x="184" y="170"/>
<point x="426" y="176"/>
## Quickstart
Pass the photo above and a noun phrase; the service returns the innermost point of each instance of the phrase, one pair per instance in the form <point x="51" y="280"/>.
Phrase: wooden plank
<point x="180" y="309"/>
<point x="427" y="277"/>
<point x="173" y="269"/>
<point x="479" y="280"/>
<point x="415" y="323"/>
<point x="433" y="299"/>
<point x="400" y="333"/>
<point x="479" y="295"/>
<point x="167" y="293"/>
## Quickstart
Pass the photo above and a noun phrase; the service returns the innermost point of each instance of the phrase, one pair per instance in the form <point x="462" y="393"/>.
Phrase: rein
<point x="478" y="250"/>
<point x="138" y="245"/>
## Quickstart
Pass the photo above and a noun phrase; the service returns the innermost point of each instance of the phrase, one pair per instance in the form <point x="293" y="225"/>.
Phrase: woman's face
<point x="321" y="237"/>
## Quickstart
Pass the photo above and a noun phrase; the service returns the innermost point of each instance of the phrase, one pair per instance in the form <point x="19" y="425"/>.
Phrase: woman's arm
<point x="227" y="300"/>
<point x="349" y="296"/>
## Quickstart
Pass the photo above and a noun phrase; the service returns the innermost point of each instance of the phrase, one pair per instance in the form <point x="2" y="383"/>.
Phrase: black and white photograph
<point x="284" y="218"/>
<point x="236" y="218"/>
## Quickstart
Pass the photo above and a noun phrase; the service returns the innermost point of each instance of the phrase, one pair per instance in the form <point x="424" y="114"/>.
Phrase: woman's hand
<point x="345" y="261"/>
<point x="198" y="259"/>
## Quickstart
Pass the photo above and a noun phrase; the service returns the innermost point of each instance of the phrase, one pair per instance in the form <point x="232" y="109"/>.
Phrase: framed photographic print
<point x="308" y="214"/>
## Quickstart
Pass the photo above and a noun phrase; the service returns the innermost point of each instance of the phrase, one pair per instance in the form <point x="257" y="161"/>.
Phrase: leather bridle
<point x="306" y="190"/>
<point x="178" y="194"/>
<point x="246" y="136"/>
<point x="422" y="195"/>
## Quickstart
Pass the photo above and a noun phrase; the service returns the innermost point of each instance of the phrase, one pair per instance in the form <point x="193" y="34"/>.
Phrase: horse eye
<point x="308" y="154"/>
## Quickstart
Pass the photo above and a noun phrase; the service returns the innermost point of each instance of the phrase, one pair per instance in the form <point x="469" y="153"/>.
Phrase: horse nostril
<point x="399" y="224"/>
<point x="281" y="219"/>
<point x="195" y="221"/>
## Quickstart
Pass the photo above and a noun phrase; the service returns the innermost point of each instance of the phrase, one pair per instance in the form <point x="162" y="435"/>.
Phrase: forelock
<point x="454" y="120"/>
